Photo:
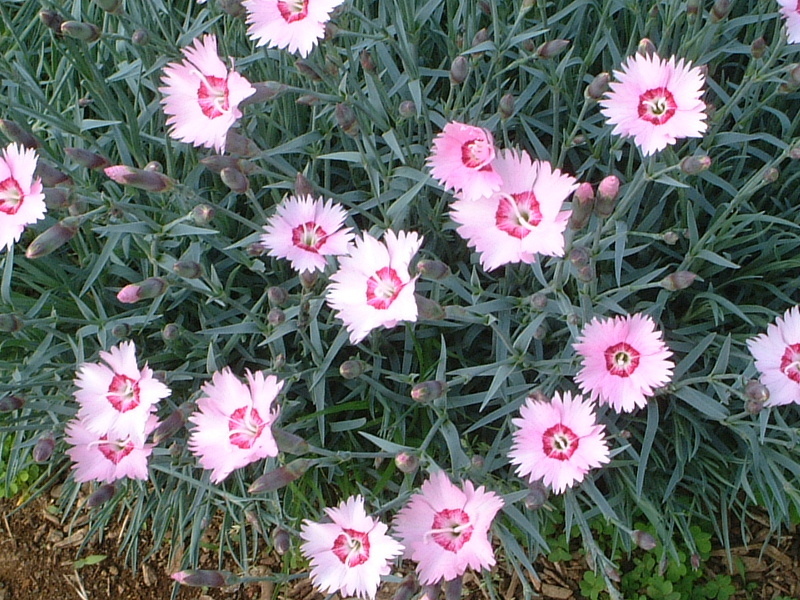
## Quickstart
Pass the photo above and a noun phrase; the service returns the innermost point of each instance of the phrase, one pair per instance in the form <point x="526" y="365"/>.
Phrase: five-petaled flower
<point x="350" y="554"/>
<point x="201" y="96"/>
<point x="558" y="441"/>
<point x="777" y="356"/>
<point x="445" y="529"/>
<point x="624" y="361"/>
<point x="656" y="102"/>
<point x="21" y="196"/>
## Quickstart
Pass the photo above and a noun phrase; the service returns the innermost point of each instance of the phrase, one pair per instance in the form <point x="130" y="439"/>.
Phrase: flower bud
<point x="289" y="442"/>
<point x="171" y="332"/>
<point x="121" y="330"/>
<point x="140" y="37"/>
<point x="406" y="462"/>
<point x="573" y="319"/>
<point x="203" y="214"/>
<point x="646" y="47"/>
<point x="552" y="48"/>
<point x="236" y="143"/>
<point x="612" y="574"/>
<point x="305" y="68"/>
<point x="281" y="540"/>
<point x="771" y="175"/>
<point x="480" y="36"/>
<point x="87" y="158"/>
<point x="9" y="403"/>
<point x="215" y="163"/>
<point x="670" y="238"/>
<point x="582" y="206"/>
<point x="407" y="588"/>
<point x="234" y="8"/>
<point x="52" y="238"/>
<point x="205" y="578"/>
<point x="110" y="6"/>
<point x="537" y="396"/>
<point x="756" y="391"/>
<point x="428" y="310"/>
<point x="365" y="58"/>
<point x="52" y="20"/>
<point x="679" y="280"/>
<point x="346" y="119"/>
<point x="101" y="495"/>
<point x="302" y="186"/>
<point x="307" y="100"/>
<point x="758" y="47"/>
<point x="579" y="256"/>
<point x="720" y="10"/>
<point x="280" y="477"/>
<point x="352" y="369"/>
<point x="49" y="175"/>
<point x="308" y="279"/>
<point x="433" y="269"/>
<point x="277" y="296"/>
<point x="256" y="249"/>
<point x="428" y="390"/>
<point x="56" y="198"/>
<point x="173" y="423"/>
<point x="86" y="32"/>
<point x="540" y="333"/>
<point x="693" y="8"/>
<point x="149" y="181"/>
<point x="279" y="361"/>
<point x="265" y="91"/>
<point x="607" y="193"/>
<point x="44" y="447"/>
<point x="692" y="165"/>
<point x="753" y="408"/>
<point x="188" y="269"/>
<point x="407" y="109"/>
<point x="151" y="287"/>
<point x="276" y="316"/>
<point x="459" y="69"/>
<point x="695" y="561"/>
<point x="644" y="540"/>
<point x="598" y="87"/>
<point x="539" y="301"/>
<point x="586" y="273"/>
<point x="235" y="180"/>
<point x="506" y="106"/>
<point x="16" y="133"/>
<point x="10" y="323"/>
<point x="537" y="496"/>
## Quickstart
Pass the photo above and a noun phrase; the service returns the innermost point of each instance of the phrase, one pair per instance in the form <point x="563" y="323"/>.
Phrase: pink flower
<point x="656" y="102"/>
<point x="461" y="160"/>
<point x="117" y="398"/>
<point x="624" y="360"/>
<point x="777" y="355"/>
<point x="201" y="97"/>
<point x="106" y="457"/>
<point x="350" y="554"/>
<point x="372" y="287"/>
<point x="234" y="423"/>
<point x="21" y="197"/>
<point x="305" y="231"/>
<point x="558" y="441"/>
<point x="445" y="529"/>
<point x="790" y="9"/>
<point x="296" y="25"/>
<point x="520" y="220"/>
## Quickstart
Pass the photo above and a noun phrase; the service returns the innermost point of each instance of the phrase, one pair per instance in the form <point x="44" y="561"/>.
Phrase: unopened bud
<point x="586" y="273"/>
<point x="281" y="540"/>
<point x="308" y="279"/>
<point x="459" y="69"/>
<point x="149" y="181"/>
<point x="644" y="540"/>
<point x="406" y="462"/>
<point x="552" y="48"/>
<point x="433" y="269"/>
<point x="307" y="100"/>
<point x="256" y="249"/>
<point x="215" y="163"/>
<point x="87" y="158"/>
<point x="480" y="36"/>
<point x="15" y="133"/>
<point x="407" y="588"/>
<point x="693" y="8"/>
<point x="720" y="10"/>
<point x="265" y="91"/>
<point x="302" y="186"/>
<point x="101" y="495"/>
<point x="506" y="106"/>
<point x="140" y="37"/>
<point x="598" y="87"/>
<point x="236" y="143"/>
<point x="539" y="301"/>
<point x="121" y="330"/>
<point x="670" y="238"/>
<point x="51" y="19"/>
<point x="753" y="408"/>
<point x="44" y="447"/>
<point x="428" y="310"/>
<point x="10" y="323"/>
<point x="771" y="175"/>
<point x="235" y="180"/>
<point x="758" y="47"/>
<point x="279" y="361"/>
<point x="537" y="496"/>
<point x="289" y="443"/>
<point x="407" y="109"/>
<point x="205" y="578"/>
<point x="56" y="198"/>
<point x="573" y="318"/>
<point x="277" y="296"/>
<point x="171" y="332"/>
<point x="234" y="8"/>
<point x="582" y="206"/>
<point x="49" y="175"/>
<point x="352" y="369"/>
<point x="540" y="333"/>
<point x="692" y="165"/>
<point x="365" y="58"/>
<point x="280" y="477"/>
<point x="612" y="574"/>
<point x="428" y="390"/>
<point x="537" y="396"/>
<point x="52" y="238"/>
<point x="579" y="256"/>
<point x="607" y="193"/>
<point x="151" y="287"/>
<point x="346" y="119"/>
<point x="187" y="268"/>
<point x="173" y="423"/>
<point x="695" y="561"/>
<point x="305" y="68"/>
<point x="679" y="280"/>
<point x="756" y="391"/>
<point x="276" y="316"/>
<point x="477" y="462"/>
<point x="86" y="32"/>
<point x="111" y="6"/>
<point x="10" y="403"/>
<point x="203" y="214"/>
<point x="579" y="140"/>
<point x="646" y="47"/>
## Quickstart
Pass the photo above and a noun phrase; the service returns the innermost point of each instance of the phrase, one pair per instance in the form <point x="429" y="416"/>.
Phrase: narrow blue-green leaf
<point x="703" y="403"/>
<point x="647" y="444"/>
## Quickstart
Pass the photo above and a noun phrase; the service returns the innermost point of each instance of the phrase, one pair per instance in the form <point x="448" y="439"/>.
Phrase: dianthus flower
<point x="21" y="196"/>
<point x="777" y="355"/>
<point x="656" y="102"/>
<point x="445" y="529"/>
<point x="305" y="230"/>
<point x="201" y="97"/>
<point x="558" y="441"/>
<point x="624" y="361"/>
<point x="296" y="25"/>
<point x="117" y="398"/>
<point x="107" y="457"/>
<point x="520" y="220"/>
<point x="461" y="159"/>
<point x="790" y="9"/>
<point x="372" y="287"/>
<point x="350" y="554"/>
<point x="233" y="426"/>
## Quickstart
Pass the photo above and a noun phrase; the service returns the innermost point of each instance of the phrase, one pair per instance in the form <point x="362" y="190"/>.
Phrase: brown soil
<point x="38" y="554"/>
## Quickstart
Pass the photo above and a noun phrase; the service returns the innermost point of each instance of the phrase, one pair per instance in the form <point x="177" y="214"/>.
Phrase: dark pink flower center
<point x="477" y="154"/>
<point x="797" y="8"/>
<point x="123" y="393"/>
<point x="309" y="236"/>
<point x="352" y="547"/>
<point x="657" y="106"/>
<point x="451" y="529"/>
<point x="245" y="426"/>
<point x="114" y="451"/>
<point x="621" y="359"/>
<point x="212" y="96"/>
<point x="11" y="196"/>
<point x="518" y="214"/>
<point x="293" y="10"/>
<point x="383" y="288"/>
<point x="790" y="362"/>
<point x="559" y="442"/>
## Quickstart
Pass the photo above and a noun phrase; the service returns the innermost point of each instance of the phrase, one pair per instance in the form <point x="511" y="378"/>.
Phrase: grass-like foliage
<point x="357" y="118"/>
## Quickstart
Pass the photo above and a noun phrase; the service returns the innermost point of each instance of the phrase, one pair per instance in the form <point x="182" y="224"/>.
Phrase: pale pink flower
<point x="305" y="230"/>
<point x="21" y="196"/>
<point x="777" y="355"/>
<point x="107" y="457"/>
<point x="296" y="25"/>
<point x="372" y="287"/>
<point x="117" y="398"/>
<point x="461" y="159"/>
<point x="233" y="426"/>
<point x="445" y="529"/>
<point x="656" y="102"/>
<point x="350" y="554"/>
<point x="201" y="97"/>
<point x="624" y="361"/>
<point x="558" y="441"/>
<point x="520" y="220"/>
<point x="790" y="9"/>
